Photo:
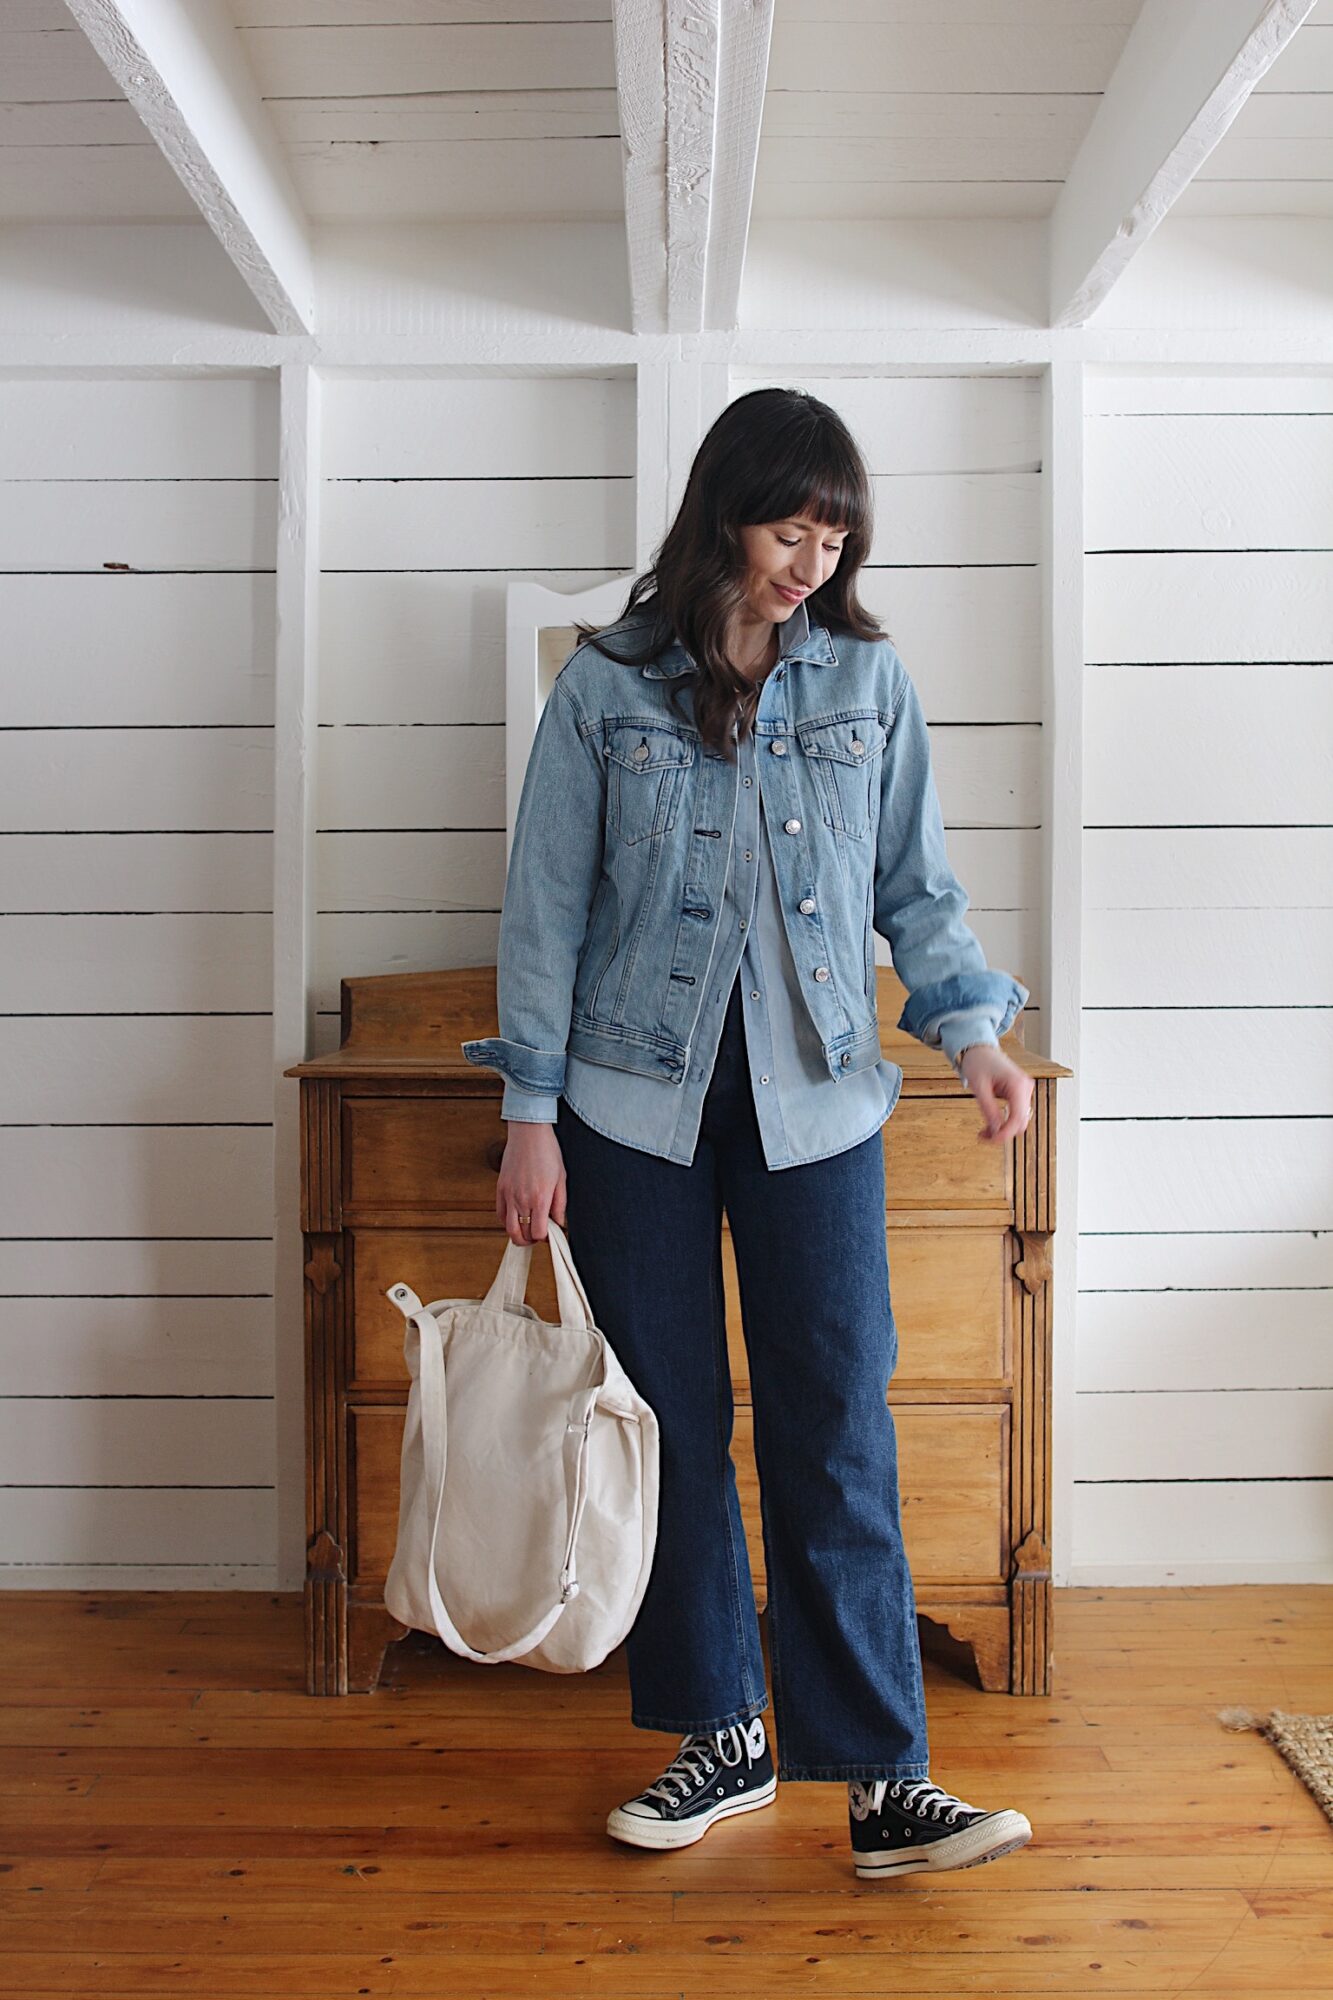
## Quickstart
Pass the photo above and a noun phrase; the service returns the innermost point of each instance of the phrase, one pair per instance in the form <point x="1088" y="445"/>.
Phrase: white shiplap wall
<point x="136" y="1336"/>
<point x="438" y="488"/>
<point x="1204" y="1407"/>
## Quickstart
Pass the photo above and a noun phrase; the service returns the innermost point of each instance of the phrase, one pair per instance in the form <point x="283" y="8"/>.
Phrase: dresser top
<point x="411" y="1024"/>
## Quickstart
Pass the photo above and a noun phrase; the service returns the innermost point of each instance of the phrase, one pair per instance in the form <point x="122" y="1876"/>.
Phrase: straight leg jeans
<point x="812" y="1264"/>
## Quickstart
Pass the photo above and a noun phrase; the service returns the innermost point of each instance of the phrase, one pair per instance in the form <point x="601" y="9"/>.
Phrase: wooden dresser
<point x="401" y="1144"/>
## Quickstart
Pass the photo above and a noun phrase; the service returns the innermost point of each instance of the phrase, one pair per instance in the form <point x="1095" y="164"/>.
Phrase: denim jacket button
<point x="821" y="972"/>
<point x="807" y="905"/>
<point x="858" y="746"/>
<point x="846" y="1058"/>
<point x="792" y="825"/>
<point x="778" y="749"/>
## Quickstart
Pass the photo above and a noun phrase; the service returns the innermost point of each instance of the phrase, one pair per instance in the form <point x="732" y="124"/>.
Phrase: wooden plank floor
<point x="180" y="1818"/>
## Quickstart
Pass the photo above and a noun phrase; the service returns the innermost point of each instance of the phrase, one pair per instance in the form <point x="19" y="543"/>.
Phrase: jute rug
<point x="1306" y="1741"/>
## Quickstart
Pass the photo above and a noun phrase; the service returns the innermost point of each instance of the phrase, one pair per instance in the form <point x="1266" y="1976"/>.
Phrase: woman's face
<point x="786" y="560"/>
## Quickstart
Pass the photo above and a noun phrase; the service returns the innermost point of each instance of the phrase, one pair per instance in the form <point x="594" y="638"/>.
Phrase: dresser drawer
<point x="952" y="1463"/>
<point x="932" y="1159"/>
<point x="414" y="1153"/>
<point x="948" y="1288"/>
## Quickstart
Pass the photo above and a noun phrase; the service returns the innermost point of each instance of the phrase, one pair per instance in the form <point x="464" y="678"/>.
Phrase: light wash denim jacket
<point x="622" y="845"/>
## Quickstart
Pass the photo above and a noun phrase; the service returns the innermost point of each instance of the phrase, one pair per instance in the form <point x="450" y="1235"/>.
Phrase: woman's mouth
<point x="792" y="596"/>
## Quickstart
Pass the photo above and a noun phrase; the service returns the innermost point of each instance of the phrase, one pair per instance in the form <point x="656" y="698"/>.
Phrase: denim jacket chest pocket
<point x="843" y="753"/>
<point x="646" y="766"/>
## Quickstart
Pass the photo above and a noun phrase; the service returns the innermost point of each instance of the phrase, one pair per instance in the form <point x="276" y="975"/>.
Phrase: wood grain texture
<point x="182" y="1820"/>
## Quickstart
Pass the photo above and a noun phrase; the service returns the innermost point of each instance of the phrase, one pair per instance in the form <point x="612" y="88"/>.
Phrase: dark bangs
<point x="808" y="470"/>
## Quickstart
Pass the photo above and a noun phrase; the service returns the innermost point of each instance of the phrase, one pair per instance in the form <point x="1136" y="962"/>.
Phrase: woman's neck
<point x="751" y="659"/>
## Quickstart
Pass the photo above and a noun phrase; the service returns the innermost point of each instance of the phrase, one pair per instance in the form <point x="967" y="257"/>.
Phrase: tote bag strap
<point x="434" y="1439"/>
<point x="510" y="1284"/>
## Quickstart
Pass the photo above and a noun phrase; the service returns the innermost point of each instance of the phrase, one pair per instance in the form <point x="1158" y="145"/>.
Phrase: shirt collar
<point x="801" y="640"/>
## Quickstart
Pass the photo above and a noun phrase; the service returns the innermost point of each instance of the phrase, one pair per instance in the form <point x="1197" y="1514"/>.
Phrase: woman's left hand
<point x="1002" y="1089"/>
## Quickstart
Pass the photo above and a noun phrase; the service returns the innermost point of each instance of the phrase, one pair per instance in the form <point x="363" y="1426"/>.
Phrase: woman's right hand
<point x="532" y="1182"/>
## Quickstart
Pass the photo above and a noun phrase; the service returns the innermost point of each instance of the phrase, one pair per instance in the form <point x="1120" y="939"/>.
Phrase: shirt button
<point x="807" y="905"/>
<point x="763" y="1079"/>
<point x="792" y="825"/>
<point x="779" y="749"/>
<point x="821" y="972"/>
<point x="754" y="996"/>
<point x="742" y="923"/>
<point x="748" y="855"/>
<point x="747" y="781"/>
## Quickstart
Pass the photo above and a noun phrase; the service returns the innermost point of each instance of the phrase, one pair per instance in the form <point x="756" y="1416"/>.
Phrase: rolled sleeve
<point x="954" y="996"/>
<point x="554" y="865"/>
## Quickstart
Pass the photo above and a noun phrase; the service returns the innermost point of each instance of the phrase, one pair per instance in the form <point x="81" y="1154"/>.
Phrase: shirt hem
<point x="774" y="1166"/>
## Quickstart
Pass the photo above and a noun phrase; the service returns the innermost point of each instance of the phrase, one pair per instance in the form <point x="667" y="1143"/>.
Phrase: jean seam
<point x="862" y="1773"/>
<point x="745" y="1713"/>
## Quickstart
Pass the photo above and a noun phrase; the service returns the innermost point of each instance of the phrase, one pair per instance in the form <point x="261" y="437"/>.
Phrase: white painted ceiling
<point x="397" y="110"/>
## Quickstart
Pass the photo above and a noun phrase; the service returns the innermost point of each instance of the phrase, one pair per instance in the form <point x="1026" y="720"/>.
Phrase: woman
<point x="729" y="792"/>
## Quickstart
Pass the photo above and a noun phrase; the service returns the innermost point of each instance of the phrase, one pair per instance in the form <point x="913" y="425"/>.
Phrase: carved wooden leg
<point x="1031" y="1603"/>
<point x="325" y="1617"/>
<point x="326" y="1473"/>
<point x="370" y="1633"/>
<point x="983" y="1627"/>
<point x="1030" y="1618"/>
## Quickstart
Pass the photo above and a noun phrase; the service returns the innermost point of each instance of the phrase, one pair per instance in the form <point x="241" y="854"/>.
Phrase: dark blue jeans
<point x="812" y="1264"/>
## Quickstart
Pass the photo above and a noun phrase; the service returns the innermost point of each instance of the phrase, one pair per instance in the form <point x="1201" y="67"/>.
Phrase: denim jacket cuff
<point x="541" y="1070"/>
<point x="997" y="994"/>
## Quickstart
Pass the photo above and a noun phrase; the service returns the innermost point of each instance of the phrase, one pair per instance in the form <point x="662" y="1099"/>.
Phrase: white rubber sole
<point x="661" y="1833"/>
<point x="987" y="1841"/>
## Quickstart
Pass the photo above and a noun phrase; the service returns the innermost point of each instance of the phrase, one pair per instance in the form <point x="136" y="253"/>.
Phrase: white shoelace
<point x="915" y="1794"/>
<point x="699" y="1756"/>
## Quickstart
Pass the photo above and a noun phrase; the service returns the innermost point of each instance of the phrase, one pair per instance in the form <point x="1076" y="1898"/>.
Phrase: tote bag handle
<point x="434" y="1439"/>
<point x="510" y="1284"/>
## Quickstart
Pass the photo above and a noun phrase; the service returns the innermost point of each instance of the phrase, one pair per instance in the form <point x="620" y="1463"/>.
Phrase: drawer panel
<point x="952" y="1461"/>
<point x="420" y="1152"/>
<point x="932" y="1159"/>
<point x="431" y="1152"/>
<point x="948" y="1285"/>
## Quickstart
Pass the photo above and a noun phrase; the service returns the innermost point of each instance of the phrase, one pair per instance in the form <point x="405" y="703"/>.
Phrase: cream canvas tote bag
<point x="528" y="1502"/>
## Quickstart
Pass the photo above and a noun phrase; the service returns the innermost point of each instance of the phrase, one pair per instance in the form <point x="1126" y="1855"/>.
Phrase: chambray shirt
<point x="804" y="1113"/>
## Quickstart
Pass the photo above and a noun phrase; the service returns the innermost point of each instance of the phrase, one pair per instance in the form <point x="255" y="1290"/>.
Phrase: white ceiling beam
<point x="1184" y="73"/>
<point x="690" y="78"/>
<point x="180" y="64"/>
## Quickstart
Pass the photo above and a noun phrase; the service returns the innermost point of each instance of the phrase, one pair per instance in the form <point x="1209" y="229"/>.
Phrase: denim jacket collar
<point x="801" y="640"/>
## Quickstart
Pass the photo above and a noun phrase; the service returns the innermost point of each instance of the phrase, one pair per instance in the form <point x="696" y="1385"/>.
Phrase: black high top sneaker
<point x="715" y="1775"/>
<point x="903" y="1825"/>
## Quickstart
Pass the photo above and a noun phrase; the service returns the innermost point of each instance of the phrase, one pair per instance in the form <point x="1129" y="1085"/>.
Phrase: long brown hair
<point x="771" y="455"/>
